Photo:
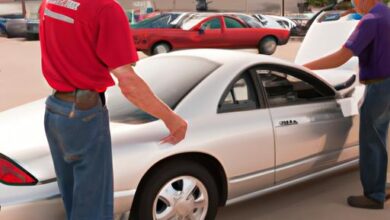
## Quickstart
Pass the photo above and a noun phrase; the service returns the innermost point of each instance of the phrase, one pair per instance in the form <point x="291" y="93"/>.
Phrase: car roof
<point x="227" y="56"/>
<point x="235" y="58"/>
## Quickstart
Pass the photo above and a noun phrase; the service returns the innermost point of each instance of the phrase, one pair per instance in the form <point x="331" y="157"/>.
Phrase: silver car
<point x="256" y="124"/>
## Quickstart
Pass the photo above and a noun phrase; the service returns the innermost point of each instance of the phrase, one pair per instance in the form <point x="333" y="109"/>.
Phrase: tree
<point x="320" y="3"/>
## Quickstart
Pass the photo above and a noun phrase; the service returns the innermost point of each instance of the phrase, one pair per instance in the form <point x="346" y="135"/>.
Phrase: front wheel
<point x="268" y="46"/>
<point x="178" y="190"/>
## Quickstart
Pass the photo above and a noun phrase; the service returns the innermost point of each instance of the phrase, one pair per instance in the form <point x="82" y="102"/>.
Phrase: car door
<point x="209" y="34"/>
<point x="248" y="149"/>
<point x="311" y="132"/>
<point x="237" y="35"/>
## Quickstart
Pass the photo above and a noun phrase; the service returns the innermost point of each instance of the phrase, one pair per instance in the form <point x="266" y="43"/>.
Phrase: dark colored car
<point x="32" y="29"/>
<point x="3" y="30"/>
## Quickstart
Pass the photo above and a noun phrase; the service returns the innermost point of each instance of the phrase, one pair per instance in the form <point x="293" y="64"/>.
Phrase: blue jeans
<point x="82" y="156"/>
<point x="374" y="125"/>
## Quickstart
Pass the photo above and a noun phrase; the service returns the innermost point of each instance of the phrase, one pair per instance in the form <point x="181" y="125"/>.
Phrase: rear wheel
<point x="161" y="48"/>
<point x="177" y="190"/>
<point x="268" y="46"/>
<point x="10" y="35"/>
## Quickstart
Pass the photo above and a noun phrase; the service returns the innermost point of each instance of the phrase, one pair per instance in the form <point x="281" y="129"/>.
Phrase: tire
<point x="173" y="178"/>
<point x="32" y="37"/>
<point x="9" y="35"/>
<point x="161" y="48"/>
<point x="268" y="46"/>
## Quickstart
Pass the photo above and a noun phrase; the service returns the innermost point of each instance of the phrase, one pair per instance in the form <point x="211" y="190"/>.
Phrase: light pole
<point x="24" y="10"/>
<point x="283" y="12"/>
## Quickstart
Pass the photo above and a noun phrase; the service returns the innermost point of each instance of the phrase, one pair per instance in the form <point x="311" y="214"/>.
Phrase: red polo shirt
<point x="81" y="40"/>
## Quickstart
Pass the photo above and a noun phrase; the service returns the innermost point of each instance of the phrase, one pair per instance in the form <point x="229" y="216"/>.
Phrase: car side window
<point x="240" y="96"/>
<point x="232" y="23"/>
<point x="162" y="22"/>
<point x="283" y="89"/>
<point x="214" y="23"/>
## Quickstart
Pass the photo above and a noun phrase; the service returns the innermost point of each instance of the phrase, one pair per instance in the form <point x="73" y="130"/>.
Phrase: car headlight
<point x="13" y="174"/>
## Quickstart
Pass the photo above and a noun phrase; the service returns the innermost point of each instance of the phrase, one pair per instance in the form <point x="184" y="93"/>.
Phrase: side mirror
<point x="201" y="31"/>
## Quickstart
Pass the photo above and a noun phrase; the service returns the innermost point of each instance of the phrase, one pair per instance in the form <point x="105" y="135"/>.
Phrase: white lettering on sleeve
<point x="65" y="3"/>
<point x="58" y="16"/>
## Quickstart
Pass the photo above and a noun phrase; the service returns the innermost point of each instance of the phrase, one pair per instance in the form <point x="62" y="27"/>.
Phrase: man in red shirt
<point x="82" y="41"/>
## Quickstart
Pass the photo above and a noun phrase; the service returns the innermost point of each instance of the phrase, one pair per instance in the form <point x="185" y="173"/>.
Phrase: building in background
<point x="15" y="7"/>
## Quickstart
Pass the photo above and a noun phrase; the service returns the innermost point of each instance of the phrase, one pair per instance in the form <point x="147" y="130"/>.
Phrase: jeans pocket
<point x="79" y="134"/>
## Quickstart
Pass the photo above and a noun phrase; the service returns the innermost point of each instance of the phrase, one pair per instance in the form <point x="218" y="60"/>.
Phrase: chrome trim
<point x="311" y="157"/>
<point x="58" y="16"/>
<point x="52" y="180"/>
<point x="279" y="168"/>
<point x="250" y="176"/>
<point x="343" y="166"/>
<point x="126" y="193"/>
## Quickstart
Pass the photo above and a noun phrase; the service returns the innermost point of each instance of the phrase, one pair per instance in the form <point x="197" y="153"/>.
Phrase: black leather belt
<point x="80" y="96"/>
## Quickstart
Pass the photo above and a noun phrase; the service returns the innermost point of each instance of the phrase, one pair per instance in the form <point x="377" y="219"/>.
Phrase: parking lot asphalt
<point x="21" y="81"/>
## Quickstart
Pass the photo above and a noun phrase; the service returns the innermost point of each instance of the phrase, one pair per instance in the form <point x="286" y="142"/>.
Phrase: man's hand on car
<point x="178" y="128"/>
<point x="137" y="91"/>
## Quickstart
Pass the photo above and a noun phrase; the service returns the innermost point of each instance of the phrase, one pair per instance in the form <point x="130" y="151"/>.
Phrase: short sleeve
<point x="115" y="44"/>
<point x="363" y="35"/>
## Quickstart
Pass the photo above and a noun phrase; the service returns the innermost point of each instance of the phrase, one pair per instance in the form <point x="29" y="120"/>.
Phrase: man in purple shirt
<point x="371" y="43"/>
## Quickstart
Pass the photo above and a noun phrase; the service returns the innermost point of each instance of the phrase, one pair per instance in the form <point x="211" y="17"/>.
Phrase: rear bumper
<point x="35" y="202"/>
<point x="284" y="41"/>
<point x="30" y="203"/>
<point x="47" y="209"/>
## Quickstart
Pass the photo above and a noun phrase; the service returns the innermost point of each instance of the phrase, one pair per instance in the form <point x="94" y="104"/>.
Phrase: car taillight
<point x="13" y="174"/>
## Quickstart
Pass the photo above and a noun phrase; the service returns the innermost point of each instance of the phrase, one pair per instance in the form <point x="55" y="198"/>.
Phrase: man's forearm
<point x="138" y="92"/>
<point x="331" y="61"/>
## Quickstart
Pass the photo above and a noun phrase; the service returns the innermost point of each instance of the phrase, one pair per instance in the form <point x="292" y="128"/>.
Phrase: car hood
<point x="324" y="38"/>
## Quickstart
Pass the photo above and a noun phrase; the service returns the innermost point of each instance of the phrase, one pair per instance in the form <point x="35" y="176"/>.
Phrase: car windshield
<point x="193" y="20"/>
<point x="251" y="21"/>
<point x="180" y="75"/>
<point x="159" y="21"/>
<point x="272" y="23"/>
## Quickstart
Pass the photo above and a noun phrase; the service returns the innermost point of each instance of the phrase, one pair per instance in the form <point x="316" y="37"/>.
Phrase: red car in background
<point x="210" y="31"/>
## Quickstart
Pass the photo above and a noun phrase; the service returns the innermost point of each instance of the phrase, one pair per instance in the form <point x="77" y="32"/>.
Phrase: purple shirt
<point x="371" y="43"/>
